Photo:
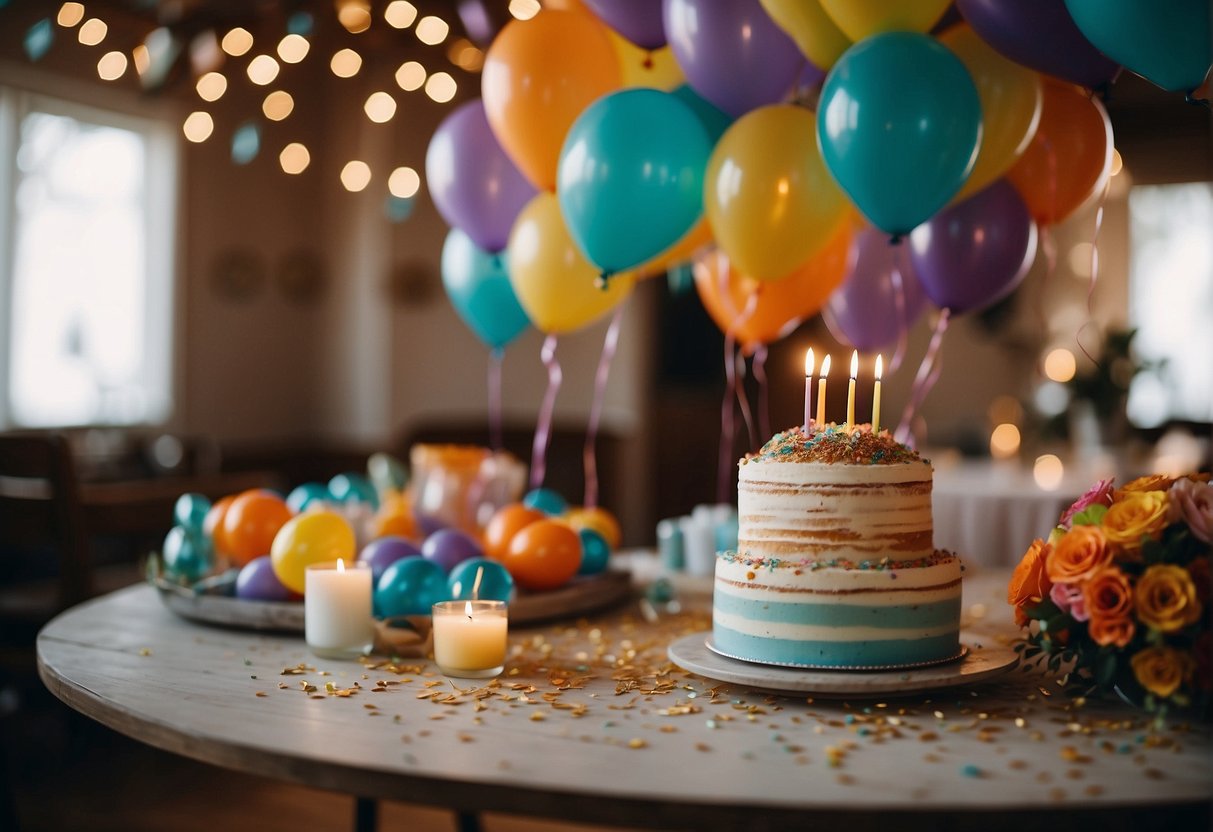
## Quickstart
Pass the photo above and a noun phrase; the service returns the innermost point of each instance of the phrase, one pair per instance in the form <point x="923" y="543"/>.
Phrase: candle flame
<point x="879" y="365"/>
<point x="808" y="363"/>
<point x="467" y="609"/>
<point x="340" y="565"/>
<point x="825" y="367"/>
<point x="855" y="364"/>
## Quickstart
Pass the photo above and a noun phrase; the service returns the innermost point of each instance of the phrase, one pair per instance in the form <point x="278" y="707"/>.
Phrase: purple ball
<point x="257" y="582"/>
<point x="382" y="553"/>
<point x="448" y="548"/>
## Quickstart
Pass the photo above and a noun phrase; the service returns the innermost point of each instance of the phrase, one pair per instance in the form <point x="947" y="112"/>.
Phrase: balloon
<point x="864" y="312"/>
<point x="251" y="522"/>
<point x="411" y="586"/>
<point x="188" y="556"/>
<point x="899" y="150"/>
<point x="1168" y="43"/>
<point x="595" y="553"/>
<point x="767" y="195"/>
<point x="481" y="19"/>
<point x="315" y="537"/>
<point x="544" y="555"/>
<point x="479" y="289"/>
<point x="732" y="53"/>
<point x="782" y="304"/>
<point x="190" y="511"/>
<point x="819" y="38"/>
<point x="860" y="19"/>
<point x="303" y="496"/>
<point x="539" y="74"/>
<point x="353" y="488"/>
<point x="628" y="194"/>
<point x="1069" y="159"/>
<point x="975" y="252"/>
<point x="1010" y="105"/>
<point x="714" y="120"/>
<point x="381" y="553"/>
<point x="257" y="582"/>
<point x="547" y="501"/>
<point x="598" y="519"/>
<point x="1039" y="34"/>
<point x="496" y="583"/>
<point x="553" y="282"/>
<point x="212" y="525"/>
<point x="637" y="20"/>
<point x="504" y="524"/>
<point x="475" y="186"/>
<point x="657" y="69"/>
<point x="448" y="548"/>
<point x="395" y="516"/>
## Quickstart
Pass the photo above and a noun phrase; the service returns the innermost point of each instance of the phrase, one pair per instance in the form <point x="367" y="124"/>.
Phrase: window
<point x="1171" y="302"/>
<point x="86" y="219"/>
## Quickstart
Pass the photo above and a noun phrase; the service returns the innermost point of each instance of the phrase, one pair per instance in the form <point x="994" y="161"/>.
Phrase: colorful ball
<point x="306" y="495"/>
<point x="187" y="555"/>
<point x="447" y="548"/>
<point x="212" y="525"/>
<point x="257" y="582"/>
<point x="598" y="519"/>
<point x="496" y="582"/>
<point x="544" y="555"/>
<point x="595" y="552"/>
<point x="547" y="501"/>
<point x="190" y="511"/>
<point x="251" y="522"/>
<point x="353" y="488"/>
<point x="507" y="522"/>
<point x="409" y="587"/>
<point x="315" y="537"/>
<point x="381" y="553"/>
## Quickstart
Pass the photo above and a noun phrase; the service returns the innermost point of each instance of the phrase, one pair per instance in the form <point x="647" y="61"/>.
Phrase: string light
<point x="294" y="158"/>
<point x="198" y="126"/>
<point x="380" y="107"/>
<point x="400" y="14"/>
<point x="346" y="63"/>
<point x="211" y="86"/>
<point x="70" y="14"/>
<point x="293" y="48"/>
<point x="112" y="66"/>
<point x="262" y="70"/>
<point x="410" y="76"/>
<point x="237" y="42"/>
<point x="432" y="30"/>
<point x="440" y="87"/>
<point x="404" y="183"/>
<point x="355" y="176"/>
<point x="93" y="31"/>
<point x="278" y="105"/>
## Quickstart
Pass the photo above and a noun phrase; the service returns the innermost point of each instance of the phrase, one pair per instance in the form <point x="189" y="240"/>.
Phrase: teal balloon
<point x="410" y="586"/>
<point x="899" y="125"/>
<point x="496" y="582"/>
<point x="479" y="288"/>
<point x="630" y="177"/>
<point x="187" y="555"/>
<point x="714" y="120"/>
<point x="547" y="501"/>
<point x="353" y="488"/>
<point x="190" y="511"/>
<point x="386" y="472"/>
<point x="595" y="552"/>
<point x="303" y="496"/>
<point x="1167" y="42"/>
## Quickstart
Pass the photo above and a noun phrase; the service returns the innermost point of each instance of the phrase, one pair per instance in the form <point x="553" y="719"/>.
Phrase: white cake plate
<point x="980" y="661"/>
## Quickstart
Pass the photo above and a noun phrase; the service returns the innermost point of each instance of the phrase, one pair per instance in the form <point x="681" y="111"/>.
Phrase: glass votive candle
<point x="337" y="618"/>
<point x="470" y="638"/>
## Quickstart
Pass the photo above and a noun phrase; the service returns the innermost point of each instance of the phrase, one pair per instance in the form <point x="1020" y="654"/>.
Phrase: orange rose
<point x="1139" y="514"/>
<point x="1117" y="631"/>
<point x="1108" y="594"/>
<point x="1029" y="583"/>
<point x="1166" y="598"/>
<point x="1150" y="482"/>
<point x="1161" y="670"/>
<point x="1078" y="553"/>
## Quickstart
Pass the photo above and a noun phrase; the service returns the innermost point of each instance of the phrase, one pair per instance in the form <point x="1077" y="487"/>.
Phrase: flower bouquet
<point x="1120" y="591"/>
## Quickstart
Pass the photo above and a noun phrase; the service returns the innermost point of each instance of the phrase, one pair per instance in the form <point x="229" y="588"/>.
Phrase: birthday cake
<point x="835" y="563"/>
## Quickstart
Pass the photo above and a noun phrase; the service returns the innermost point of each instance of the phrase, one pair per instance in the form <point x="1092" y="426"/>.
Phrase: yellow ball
<point x="596" y="519"/>
<point x="314" y="537"/>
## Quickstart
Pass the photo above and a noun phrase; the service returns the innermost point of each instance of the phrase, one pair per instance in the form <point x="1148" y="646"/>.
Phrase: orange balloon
<point x="395" y="517"/>
<point x="504" y="524"/>
<point x="683" y="251"/>
<point x="544" y="555"/>
<point x="251" y="522"/>
<point x="539" y="75"/>
<point x="212" y="524"/>
<point x="781" y="304"/>
<point x="596" y="519"/>
<point x="1069" y="159"/>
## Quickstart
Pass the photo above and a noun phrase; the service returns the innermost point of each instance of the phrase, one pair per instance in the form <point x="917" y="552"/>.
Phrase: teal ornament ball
<point x="547" y="501"/>
<point x="188" y="555"/>
<point x="595" y="552"/>
<point x="496" y="582"/>
<point x="353" y="488"/>
<point x="304" y="496"/>
<point x="409" y="587"/>
<point x="190" y="511"/>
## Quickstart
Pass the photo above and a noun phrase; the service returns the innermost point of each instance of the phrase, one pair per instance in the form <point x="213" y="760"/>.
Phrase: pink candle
<point x="808" y="389"/>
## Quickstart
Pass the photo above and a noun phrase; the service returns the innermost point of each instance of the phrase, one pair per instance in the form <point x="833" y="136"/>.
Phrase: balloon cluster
<point x="617" y="138"/>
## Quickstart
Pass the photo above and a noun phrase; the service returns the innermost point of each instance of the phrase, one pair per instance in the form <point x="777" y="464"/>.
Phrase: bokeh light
<point x="410" y="76"/>
<point x="356" y="175"/>
<point x="293" y="48"/>
<point x="294" y="158"/>
<point x="380" y="107"/>
<point x="278" y="105"/>
<point x="354" y="15"/>
<point x="262" y="70"/>
<point x="400" y="14"/>
<point x="237" y="42"/>
<point x="432" y="30"/>
<point x="345" y="63"/>
<point x="93" y="31"/>
<point x="1060" y="365"/>
<point x="524" y="9"/>
<point x="112" y="66"/>
<point x="198" y="126"/>
<point x="404" y="183"/>
<point x="211" y="86"/>
<point x="1048" y="472"/>
<point x="440" y="87"/>
<point x="70" y="14"/>
<point x="1004" y="441"/>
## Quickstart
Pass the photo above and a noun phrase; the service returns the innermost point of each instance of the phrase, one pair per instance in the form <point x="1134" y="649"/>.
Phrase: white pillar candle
<point x="470" y="638"/>
<point x="699" y="542"/>
<point x="337" y="616"/>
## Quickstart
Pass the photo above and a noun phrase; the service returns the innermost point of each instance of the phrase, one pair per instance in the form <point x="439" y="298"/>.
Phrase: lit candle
<point x="876" y="395"/>
<point x="337" y="610"/>
<point x="821" y="391"/>
<point x="469" y="638"/>
<point x="851" y="390"/>
<point x="808" y="388"/>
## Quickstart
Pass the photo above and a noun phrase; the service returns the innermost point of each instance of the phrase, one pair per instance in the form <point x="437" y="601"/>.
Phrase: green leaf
<point x="1092" y="515"/>
<point x="1105" y="669"/>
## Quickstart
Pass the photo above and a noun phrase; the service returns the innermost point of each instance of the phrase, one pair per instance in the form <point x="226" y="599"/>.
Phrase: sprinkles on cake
<point x="833" y="444"/>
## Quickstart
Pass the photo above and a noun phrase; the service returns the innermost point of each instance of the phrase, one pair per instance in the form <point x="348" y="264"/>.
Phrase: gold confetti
<point x="260" y="693"/>
<point x="145" y="651"/>
<point x="636" y="742"/>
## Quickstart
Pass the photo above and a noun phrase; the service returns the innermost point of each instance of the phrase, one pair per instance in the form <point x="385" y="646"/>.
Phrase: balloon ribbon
<point x="764" y="397"/>
<point x="543" y="428"/>
<point x="730" y="393"/>
<point x="589" y="456"/>
<point x="1090" y="321"/>
<point x="928" y="374"/>
<point x="495" y="432"/>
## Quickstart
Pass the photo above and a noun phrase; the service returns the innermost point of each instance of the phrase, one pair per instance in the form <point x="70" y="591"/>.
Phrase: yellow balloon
<point x="861" y="19"/>
<point x="557" y="287"/>
<point x="683" y="251"/>
<point x="768" y="197"/>
<point x="309" y="538"/>
<point x="1011" y="101"/>
<point x="819" y="38"/>
<point x="644" y="68"/>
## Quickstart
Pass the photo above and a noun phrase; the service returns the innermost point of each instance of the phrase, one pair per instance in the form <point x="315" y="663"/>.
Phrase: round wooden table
<point x="591" y="723"/>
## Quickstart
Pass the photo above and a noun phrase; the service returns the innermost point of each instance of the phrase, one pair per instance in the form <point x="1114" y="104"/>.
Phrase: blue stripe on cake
<point x="835" y="653"/>
<point x="894" y="616"/>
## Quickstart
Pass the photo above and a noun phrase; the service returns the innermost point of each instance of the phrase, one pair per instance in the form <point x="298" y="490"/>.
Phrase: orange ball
<point x="543" y="555"/>
<point x="212" y="525"/>
<point x="504" y="525"/>
<point x="395" y="517"/>
<point x="251" y="522"/>
<point x="596" y="519"/>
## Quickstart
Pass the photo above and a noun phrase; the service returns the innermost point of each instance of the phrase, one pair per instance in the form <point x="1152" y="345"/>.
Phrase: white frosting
<point x="788" y="582"/>
<point x="806" y="632"/>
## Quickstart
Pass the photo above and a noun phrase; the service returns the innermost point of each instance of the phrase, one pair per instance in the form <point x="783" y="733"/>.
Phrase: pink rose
<point x="1070" y="600"/>
<point x="1192" y="502"/>
<point x="1100" y="494"/>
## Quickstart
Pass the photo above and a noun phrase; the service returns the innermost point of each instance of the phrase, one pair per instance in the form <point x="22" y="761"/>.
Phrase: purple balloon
<point x="1039" y="34"/>
<point x="731" y="52"/>
<point x="383" y="552"/>
<point x="449" y="547"/>
<point x="482" y="21"/>
<point x="637" y="20"/>
<point x="976" y="252"/>
<point x="880" y="299"/>
<point x="257" y="582"/>
<point x="475" y="186"/>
